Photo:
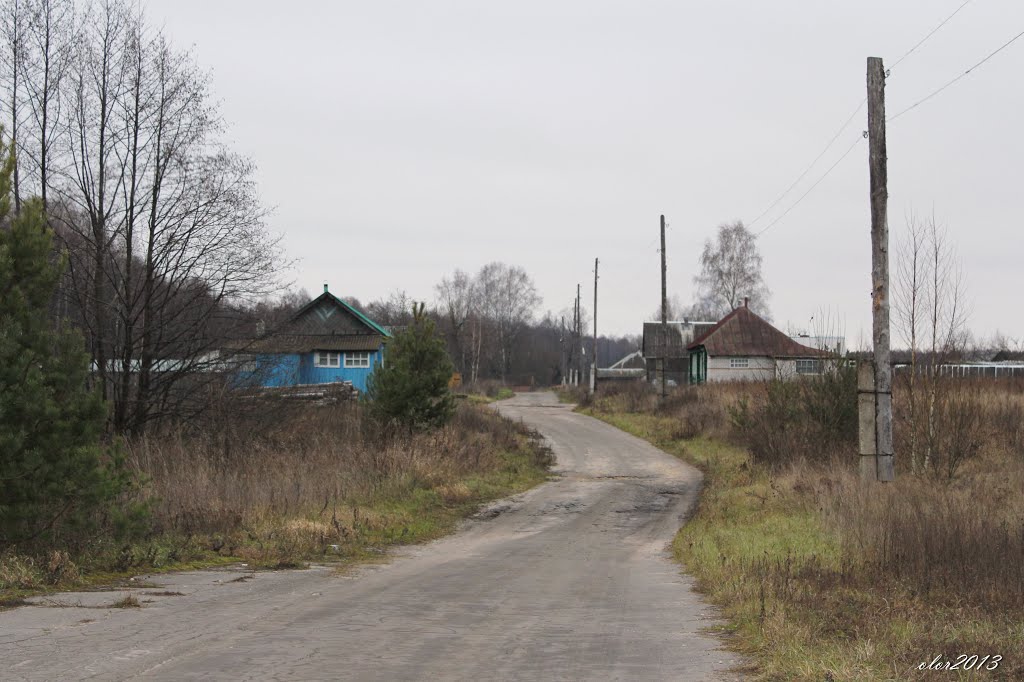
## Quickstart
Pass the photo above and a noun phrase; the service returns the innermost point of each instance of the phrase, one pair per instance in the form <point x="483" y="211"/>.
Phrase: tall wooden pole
<point x="593" y="385"/>
<point x="578" y="341"/>
<point x="562" y="343"/>
<point x="664" y="315"/>
<point x="883" y="458"/>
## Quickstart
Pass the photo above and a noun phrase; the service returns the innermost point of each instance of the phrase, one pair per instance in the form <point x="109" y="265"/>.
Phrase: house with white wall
<point x="745" y="347"/>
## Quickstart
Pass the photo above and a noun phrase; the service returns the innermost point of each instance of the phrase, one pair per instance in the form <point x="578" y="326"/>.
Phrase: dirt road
<point x="569" y="581"/>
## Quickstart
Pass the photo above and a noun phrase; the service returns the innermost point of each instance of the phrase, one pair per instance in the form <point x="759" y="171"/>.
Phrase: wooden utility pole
<point x="578" y="341"/>
<point x="663" y="360"/>
<point x="562" y="345"/>
<point x="593" y="373"/>
<point x="877" y="462"/>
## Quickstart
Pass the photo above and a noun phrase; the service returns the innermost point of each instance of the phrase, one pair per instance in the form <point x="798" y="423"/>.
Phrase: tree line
<point x="492" y="323"/>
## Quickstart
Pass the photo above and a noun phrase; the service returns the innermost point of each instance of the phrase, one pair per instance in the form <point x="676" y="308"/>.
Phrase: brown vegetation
<point x="824" y="576"/>
<point x="277" y="483"/>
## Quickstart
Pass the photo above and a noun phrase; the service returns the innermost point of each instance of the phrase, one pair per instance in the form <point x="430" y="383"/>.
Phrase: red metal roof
<point x="742" y="333"/>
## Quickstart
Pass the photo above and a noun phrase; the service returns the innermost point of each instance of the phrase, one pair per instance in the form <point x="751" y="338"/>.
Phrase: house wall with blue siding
<point x="272" y="370"/>
<point x="276" y="370"/>
<point x="310" y="374"/>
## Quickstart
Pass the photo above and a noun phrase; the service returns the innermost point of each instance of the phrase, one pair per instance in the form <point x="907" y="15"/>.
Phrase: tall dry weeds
<point x="306" y="461"/>
<point x="946" y="541"/>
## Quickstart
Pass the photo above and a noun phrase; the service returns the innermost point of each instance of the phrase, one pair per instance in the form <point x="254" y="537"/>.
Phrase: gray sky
<point x="401" y="140"/>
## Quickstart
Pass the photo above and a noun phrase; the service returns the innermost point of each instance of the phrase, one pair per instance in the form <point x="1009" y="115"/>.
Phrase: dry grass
<point x="326" y="477"/>
<point x="824" y="577"/>
<point x="302" y="482"/>
<point x="128" y="601"/>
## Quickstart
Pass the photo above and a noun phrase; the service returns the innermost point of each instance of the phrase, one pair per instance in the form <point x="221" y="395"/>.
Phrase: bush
<point x="412" y="386"/>
<point x="812" y="419"/>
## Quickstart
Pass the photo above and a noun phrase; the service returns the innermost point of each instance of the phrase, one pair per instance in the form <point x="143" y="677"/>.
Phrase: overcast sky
<point x="398" y="141"/>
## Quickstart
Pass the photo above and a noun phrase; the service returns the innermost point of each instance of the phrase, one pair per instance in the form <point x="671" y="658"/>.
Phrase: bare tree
<point x="730" y="270"/>
<point x="946" y="318"/>
<point x="164" y="229"/>
<point x="94" y="169"/>
<point x="931" y="315"/>
<point x="393" y="311"/>
<point x="14" y="30"/>
<point x="676" y="309"/>
<point x="456" y="303"/>
<point x="908" y="298"/>
<point x="508" y="298"/>
<point x="52" y="33"/>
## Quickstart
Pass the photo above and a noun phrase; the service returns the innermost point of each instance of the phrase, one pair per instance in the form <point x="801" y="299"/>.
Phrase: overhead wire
<point x="811" y="188"/>
<point x="842" y="128"/>
<point x="811" y="165"/>
<point x="957" y="79"/>
<point x="930" y="34"/>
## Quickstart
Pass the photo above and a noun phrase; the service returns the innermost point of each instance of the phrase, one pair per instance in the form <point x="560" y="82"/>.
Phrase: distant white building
<point x="831" y="344"/>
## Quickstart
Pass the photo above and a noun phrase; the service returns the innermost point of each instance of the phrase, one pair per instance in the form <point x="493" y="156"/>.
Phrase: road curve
<point x="569" y="581"/>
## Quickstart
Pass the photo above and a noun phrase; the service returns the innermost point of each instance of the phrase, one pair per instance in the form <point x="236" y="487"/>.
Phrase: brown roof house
<point x="744" y="347"/>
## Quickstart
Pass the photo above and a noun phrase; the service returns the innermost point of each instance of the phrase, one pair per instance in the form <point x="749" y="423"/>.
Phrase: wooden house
<point x="668" y="344"/>
<point x="326" y="341"/>
<point x="745" y="347"/>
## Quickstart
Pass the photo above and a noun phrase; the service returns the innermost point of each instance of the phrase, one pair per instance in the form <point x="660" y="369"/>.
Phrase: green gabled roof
<point x="359" y="314"/>
<point x="354" y="311"/>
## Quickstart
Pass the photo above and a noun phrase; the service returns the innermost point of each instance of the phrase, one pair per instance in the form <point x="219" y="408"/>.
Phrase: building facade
<point x="745" y="347"/>
<point x="326" y="341"/>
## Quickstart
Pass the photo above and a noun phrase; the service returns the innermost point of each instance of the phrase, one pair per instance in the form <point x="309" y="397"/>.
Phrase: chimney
<point x="325" y="287"/>
<point x="746" y="300"/>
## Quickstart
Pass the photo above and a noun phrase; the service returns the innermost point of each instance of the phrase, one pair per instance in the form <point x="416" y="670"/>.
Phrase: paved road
<point x="569" y="581"/>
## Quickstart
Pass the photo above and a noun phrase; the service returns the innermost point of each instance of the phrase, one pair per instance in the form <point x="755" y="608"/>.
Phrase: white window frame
<point x="327" y="358"/>
<point x="816" y="366"/>
<point x="357" y="359"/>
<point x="739" y="363"/>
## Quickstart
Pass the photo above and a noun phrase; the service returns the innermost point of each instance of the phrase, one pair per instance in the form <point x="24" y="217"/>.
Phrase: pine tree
<point x="56" y="480"/>
<point x="411" y="386"/>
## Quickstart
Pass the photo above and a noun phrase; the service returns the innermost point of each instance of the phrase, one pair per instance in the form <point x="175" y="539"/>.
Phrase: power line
<point x="810" y="166"/>
<point x="930" y="34"/>
<point x="835" y="137"/>
<point x="811" y="188"/>
<point x="957" y="79"/>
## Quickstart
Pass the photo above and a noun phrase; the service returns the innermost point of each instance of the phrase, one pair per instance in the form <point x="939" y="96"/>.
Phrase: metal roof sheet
<point x="306" y="343"/>
<point x="742" y="333"/>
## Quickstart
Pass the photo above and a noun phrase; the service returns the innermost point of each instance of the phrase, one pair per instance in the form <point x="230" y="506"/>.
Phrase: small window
<point x="357" y="359"/>
<point x="326" y="358"/>
<point x="808" y="366"/>
<point x="246" y="363"/>
<point x="739" y="363"/>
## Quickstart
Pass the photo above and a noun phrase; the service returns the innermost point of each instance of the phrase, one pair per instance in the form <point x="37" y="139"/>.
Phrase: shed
<point x="670" y="342"/>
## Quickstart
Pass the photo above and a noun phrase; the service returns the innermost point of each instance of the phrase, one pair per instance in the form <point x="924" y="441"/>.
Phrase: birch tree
<point x="931" y="315"/>
<point x="730" y="270"/>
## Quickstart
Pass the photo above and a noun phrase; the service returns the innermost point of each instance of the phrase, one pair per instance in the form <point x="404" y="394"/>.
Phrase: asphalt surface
<point x="569" y="581"/>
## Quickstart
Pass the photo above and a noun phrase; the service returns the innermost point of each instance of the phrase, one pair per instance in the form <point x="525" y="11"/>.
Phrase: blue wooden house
<point x="326" y="341"/>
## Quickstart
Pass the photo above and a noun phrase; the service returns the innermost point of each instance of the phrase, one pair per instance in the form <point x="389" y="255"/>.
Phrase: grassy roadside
<point x="419" y="492"/>
<point x="764" y="549"/>
<point x="491" y="395"/>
